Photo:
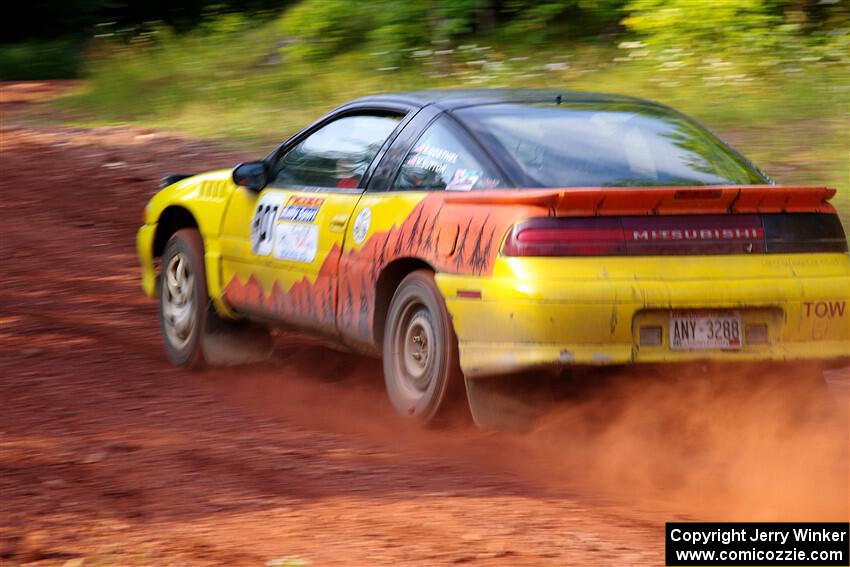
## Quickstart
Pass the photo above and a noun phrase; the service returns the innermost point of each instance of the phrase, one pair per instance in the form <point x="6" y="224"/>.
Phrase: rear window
<point x="445" y="159"/>
<point x="608" y="145"/>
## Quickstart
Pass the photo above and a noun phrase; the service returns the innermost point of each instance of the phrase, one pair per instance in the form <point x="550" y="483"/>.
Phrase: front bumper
<point x="144" y="249"/>
<point x="550" y="312"/>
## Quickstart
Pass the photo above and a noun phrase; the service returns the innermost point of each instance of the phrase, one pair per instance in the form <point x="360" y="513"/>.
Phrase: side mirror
<point x="251" y="174"/>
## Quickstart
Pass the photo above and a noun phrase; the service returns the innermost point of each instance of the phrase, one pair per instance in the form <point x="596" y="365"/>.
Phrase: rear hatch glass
<point x="607" y="144"/>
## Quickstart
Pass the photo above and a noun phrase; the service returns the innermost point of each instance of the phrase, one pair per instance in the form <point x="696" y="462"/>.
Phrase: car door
<point x="281" y="247"/>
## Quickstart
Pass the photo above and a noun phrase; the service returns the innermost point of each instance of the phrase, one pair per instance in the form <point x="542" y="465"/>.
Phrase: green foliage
<point x="533" y="17"/>
<point x="402" y="25"/>
<point x="320" y="28"/>
<point x="78" y="19"/>
<point x="39" y="59"/>
<point x="325" y="27"/>
<point x="740" y="24"/>
<point x="721" y="37"/>
<point x="172" y="70"/>
<point x="729" y="37"/>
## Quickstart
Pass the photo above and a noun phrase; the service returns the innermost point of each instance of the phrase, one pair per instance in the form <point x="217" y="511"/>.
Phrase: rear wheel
<point x="420" y="350"/>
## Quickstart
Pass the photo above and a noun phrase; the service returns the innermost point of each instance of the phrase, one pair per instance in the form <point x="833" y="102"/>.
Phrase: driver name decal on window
<point x="431" y="158"/>
<point x="444" y="159"/>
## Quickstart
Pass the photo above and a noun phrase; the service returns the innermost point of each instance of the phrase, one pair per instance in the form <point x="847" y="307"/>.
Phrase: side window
<point x="336" y="155"/>
<point x="443" y="159"/>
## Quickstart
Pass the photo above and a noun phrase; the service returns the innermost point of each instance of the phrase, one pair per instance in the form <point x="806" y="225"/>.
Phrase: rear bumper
<point x="549" y="320"/>
<point x="480" y="359"/>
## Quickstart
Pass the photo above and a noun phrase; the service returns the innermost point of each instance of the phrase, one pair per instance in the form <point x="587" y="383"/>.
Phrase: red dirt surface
<point x="110" y="456"/>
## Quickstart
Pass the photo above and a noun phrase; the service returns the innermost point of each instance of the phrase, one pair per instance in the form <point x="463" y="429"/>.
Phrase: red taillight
<point x="637" y="236"/>
<point x="566" y="237"/>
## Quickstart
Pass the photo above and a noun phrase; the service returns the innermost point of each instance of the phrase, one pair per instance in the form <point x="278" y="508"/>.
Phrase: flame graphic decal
<point x="453" y="238"/>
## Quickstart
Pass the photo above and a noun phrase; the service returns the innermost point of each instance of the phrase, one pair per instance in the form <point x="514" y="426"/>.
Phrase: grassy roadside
<point x="247" y="88"/>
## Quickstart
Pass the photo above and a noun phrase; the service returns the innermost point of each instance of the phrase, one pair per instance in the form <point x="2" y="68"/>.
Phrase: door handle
<point x="338" y="223"/>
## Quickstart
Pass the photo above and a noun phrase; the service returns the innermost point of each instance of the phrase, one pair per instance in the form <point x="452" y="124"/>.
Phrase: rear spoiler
<point x="702" y="199"/>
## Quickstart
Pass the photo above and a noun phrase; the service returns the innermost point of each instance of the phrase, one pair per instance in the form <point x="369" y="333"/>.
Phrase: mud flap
<point x="231" y="343"/>
<point x="508" y="403"/>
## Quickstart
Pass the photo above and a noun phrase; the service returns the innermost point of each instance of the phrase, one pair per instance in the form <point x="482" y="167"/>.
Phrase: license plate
<point x="705" y="330"/>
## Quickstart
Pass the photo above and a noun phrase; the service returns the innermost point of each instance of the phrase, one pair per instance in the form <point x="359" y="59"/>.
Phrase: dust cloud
<point x="749" y="443"/>
<point x="758" y="443"/>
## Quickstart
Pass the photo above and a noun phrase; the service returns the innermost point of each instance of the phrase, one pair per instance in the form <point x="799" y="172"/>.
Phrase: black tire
<point x="184" y="252"/>
<point x="419" y="324"/>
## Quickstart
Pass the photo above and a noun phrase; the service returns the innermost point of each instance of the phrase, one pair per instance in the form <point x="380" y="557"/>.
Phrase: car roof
<point x="450" y="99"/>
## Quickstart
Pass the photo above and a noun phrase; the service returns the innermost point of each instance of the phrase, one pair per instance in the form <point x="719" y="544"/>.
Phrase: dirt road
<point x="111" y="456"/>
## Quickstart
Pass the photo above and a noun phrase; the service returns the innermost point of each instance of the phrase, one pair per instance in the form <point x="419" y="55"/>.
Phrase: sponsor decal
<point x="301" y="209"/>
<point x="296" y="242"/>
<point x="361" y="225"/>
<point x="463" y="180"/>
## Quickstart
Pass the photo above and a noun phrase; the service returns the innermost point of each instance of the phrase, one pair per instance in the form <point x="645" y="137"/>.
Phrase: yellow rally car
<point x="487" y="232"/>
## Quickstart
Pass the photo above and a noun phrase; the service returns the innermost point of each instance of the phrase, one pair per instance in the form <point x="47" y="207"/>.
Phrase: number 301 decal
<point x="264" y="222"/>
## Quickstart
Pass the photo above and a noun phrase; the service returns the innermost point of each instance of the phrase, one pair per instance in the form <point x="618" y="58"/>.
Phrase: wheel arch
<point x="388" y="281"/>
<point x="172" y="219"/>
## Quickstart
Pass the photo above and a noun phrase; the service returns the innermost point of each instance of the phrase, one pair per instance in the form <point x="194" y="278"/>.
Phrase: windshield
<point x="608" y="144"/>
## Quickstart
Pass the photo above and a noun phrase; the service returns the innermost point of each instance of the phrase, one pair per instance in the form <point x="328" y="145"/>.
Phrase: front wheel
<point x="193" y="333"/>
<point x="420" y="350"/>
<point x="183" y="298"/>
